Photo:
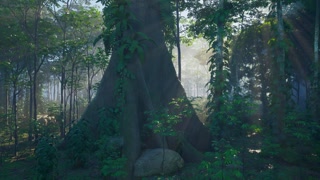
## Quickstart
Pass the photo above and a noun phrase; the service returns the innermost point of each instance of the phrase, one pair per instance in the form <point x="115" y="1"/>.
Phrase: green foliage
<point x="109" y="121"/>
<point x="232" y="119"/>
<point x="186" y="37"/>
<point x="270" y="148"/>
<point x="53" y="109"/>
<point x="46" y="155"/>
<point x="223" y="163"/>
<point x="199" y="105"/>
<point x="47" y="126"/>
<point x="231" y="130"/>
<point x="117" y="20"/>
<point x="98" y="60"/>
<point x="301" y="127"/>
<point x="113" y="165"/>
<point x="121" y="37"/>
<point x="78" y="146"/>
<point x="163" y="121"/>
<point x="109" y="146"/>
<point x="301" y="146"/>
<point x="168" y="21"/>
<point x="301" y="132"/>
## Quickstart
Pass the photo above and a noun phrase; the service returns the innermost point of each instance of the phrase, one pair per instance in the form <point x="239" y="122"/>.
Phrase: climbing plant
<point x="120" y="37"/>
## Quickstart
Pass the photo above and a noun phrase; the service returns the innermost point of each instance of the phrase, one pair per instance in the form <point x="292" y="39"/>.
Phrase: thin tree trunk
<point x="280" y="27"/>
<point x="71" y="95"/>
<point x="178" y="39"/>
<point x="2" y="91"/>
<point x="280" y="88"/>
<point x="75" y="94"/>
<point x="219" y="62"/>
<point x="315" y="83"/>
<point x="316" y="44"/>
<point x="65" y="102"/>
<point x="48" y="90"/>
<point x="35" y="108"/>
<point x="36" y="65"/>
<point x="6" y="107"/>
<point x="14" y="115"/>
<point x="89" y="83"/>
<point x="61" y="118"/>
<point x="30" y="105"/>
<point x="53" y="88"/>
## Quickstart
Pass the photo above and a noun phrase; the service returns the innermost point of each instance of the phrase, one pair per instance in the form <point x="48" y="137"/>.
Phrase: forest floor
<point x="254" y="165"/>
<point x="20" y="169"/>
<point x="24" y="166"/>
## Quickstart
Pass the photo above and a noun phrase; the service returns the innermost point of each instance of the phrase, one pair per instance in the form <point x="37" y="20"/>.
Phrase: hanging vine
<point x="121" y="39"/>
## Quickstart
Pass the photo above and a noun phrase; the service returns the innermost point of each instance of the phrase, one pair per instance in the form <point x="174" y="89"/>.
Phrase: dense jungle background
<point x="229" y="87"/>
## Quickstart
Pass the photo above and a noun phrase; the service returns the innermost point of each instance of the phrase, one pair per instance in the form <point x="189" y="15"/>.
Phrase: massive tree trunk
<point x="154" y="87"/>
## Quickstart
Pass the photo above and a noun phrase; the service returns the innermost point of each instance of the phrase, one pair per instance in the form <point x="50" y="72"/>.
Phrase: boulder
<point x="150" y="162"/>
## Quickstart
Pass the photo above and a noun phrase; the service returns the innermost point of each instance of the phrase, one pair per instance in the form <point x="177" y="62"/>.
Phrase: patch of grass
<point x="66" y="171"/>
<point x="23" y="168"/>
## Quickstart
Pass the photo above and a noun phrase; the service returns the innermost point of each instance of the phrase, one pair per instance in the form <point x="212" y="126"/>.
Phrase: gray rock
<point x="150" y="162"/>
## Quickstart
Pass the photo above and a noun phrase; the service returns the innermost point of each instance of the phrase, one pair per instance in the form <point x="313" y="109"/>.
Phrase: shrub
<point x="224" y="163"/>
<point x="113" y="165"/>
<point x="46" y="155"/>
<point x="78" y="144"/>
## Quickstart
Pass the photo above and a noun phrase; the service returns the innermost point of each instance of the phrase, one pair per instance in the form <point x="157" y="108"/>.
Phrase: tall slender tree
<point x="279" y="87"/>
<point x="316" y="41"/>
<point x="178" y="37"/>
<point x="316" y="79"/>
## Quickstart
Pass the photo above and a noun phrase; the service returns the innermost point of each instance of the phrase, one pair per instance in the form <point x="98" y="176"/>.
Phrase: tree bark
<point x="178" y="39"/>
<point x="315" y="90"/>
<point x="316" y="43"/>
<point x="14" y="112"/>
<point x="280" y="29"/>
<point x="280" y="88"/>
<point x="2" y="92"/>
<point x="30" y="104"/>
<point x="219" y="61"/>
<point x="71" y="95"/>
<point x="62" y="97"/>
<point x="89" y="83"/>
<point x="155" y="85"/>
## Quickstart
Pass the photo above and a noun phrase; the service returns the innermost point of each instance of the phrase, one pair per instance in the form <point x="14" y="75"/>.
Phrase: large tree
<point x="141" y="77"/>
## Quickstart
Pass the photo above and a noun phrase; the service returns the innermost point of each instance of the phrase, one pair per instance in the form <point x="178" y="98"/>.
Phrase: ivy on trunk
<point x="140" y="78"/>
